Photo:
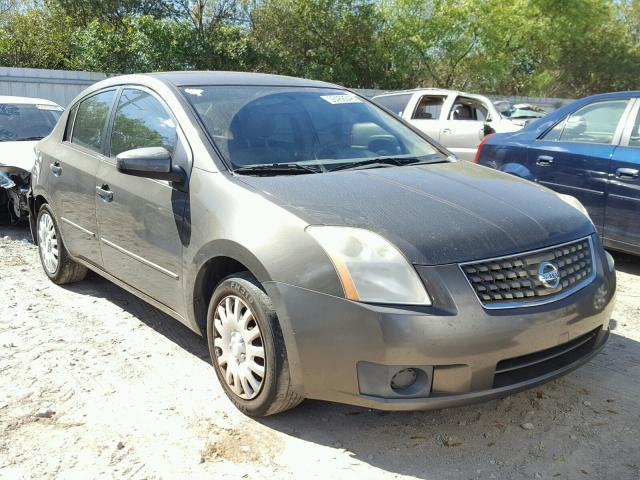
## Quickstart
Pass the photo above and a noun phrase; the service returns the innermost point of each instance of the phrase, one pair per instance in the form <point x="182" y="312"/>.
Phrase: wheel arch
<point x="215" y="262"/>
<point x="35" y="202"/>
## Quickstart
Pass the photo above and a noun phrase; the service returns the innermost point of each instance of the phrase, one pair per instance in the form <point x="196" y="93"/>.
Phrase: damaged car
<point x="23" y="122"/>
<point x="325" y="248"/>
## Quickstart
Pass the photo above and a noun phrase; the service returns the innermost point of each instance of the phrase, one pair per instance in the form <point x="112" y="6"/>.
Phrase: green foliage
<point x="35" y="39"/>
<point x="138" y="44"/>
<point x="538" y="47"/>
<point x="334" y="40"/>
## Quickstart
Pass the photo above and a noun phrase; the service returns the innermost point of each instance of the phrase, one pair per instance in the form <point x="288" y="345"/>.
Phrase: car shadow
<point x="96" y="286"/>
<point x="627" y="263"/>
<point x="433" y="444"/>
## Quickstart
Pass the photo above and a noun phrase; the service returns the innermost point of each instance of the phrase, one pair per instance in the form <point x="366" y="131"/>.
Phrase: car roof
<point x="431" y="90"/>
<point x="608" y="95"/>
<point x="236" y="78"/>
<point x="201" y="78"/>
<point x="26" y="100"/>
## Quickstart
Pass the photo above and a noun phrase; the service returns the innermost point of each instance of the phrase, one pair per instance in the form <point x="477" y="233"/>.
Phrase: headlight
<point x="370" y="268"/>
<point x="575" y="203"/>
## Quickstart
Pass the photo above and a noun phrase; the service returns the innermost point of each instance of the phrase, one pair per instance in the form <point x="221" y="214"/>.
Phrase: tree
<point x="113" y="12"/>
<point x="137" y="44"/>
<point x="334" y="40"/>
<point x="35" y="38"/>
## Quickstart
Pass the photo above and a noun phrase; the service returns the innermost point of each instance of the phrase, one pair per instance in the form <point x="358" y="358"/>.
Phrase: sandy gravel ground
<point x="97" y="384"/>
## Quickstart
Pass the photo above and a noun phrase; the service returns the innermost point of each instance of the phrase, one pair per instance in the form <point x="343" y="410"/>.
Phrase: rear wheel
<point x="57" y="264"/>
<point x="247" y="348"/>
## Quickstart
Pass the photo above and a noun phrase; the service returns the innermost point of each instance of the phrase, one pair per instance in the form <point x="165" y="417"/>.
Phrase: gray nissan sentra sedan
<point x="325" y="248"/>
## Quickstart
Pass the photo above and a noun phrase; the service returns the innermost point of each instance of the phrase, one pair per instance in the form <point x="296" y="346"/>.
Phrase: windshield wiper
<point x="27" y="139"/>
<point x="388" y="161"/>
<point x="276" y="169"/>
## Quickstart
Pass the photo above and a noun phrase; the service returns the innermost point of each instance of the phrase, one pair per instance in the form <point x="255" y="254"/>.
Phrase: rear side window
<point x="141" y="121"/>
<point x="593" y="123"/>
<point x="429" y="107"/>
<point x="91" y="121"/>
<point x="394" y="103"/>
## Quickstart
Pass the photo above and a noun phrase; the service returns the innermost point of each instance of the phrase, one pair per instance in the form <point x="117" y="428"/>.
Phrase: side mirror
<point x="487" y="130"/>
<point x="150" y="162"/>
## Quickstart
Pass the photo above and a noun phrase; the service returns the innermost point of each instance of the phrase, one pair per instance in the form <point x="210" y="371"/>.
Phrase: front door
<point x="72" y="175"/>
<point x="574" y="157"/>
<point x="463" y="128"/>
<point x="426" y="115"/>
<point x="140" y="220"/>
<point x="622" y="217"/>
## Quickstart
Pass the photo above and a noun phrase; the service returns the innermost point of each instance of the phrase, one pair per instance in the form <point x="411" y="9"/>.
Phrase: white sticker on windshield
<point x="194" y="91"/>
<point x="338" y="99"/>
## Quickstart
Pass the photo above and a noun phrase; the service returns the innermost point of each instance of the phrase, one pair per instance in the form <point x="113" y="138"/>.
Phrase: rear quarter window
<point x="394" y="103"/>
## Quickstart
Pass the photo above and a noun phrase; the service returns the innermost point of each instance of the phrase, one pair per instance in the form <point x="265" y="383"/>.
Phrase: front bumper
<point x="456" y="341"/>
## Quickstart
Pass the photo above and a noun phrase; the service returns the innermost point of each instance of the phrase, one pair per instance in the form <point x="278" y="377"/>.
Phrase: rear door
<point x="463" y="128"/>
<point x="427" y="113"/>
<point x="574" y="157"/>
<point x="622" y="217"/>
<point x="73" y="168"/>
<point x="140" y="220"/>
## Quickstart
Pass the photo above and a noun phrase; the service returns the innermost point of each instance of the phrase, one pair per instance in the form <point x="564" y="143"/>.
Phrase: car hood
<point x="18" y="154"/>
<point x="506" y="125"/>
<point x="435" y="214"/>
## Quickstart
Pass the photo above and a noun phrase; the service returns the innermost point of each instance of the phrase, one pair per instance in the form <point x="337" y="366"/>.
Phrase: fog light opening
<point x="404" y="379"/>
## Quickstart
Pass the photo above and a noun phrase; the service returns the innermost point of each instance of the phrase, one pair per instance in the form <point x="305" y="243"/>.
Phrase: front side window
<point x="429" y="107"/>
<point x="141" y="121"/>
<point x="593" y="123"/>
<point x="312" y="127"/>
<point x="21" y="122"/>
<point x="468" y="109"/>
<point x="91" y="121"/>
<point x="394" y="103"/>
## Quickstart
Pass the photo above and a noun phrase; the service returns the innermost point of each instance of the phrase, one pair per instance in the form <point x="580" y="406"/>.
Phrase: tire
<point x="275" y="393"/>
<point x="64" y="269"/>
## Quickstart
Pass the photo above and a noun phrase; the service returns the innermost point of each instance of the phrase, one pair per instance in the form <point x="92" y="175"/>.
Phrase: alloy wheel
<point x="48" y="243"/>
<point x="239" y="348"/>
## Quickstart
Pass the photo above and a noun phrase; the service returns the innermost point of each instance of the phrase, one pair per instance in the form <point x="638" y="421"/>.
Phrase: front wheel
<point x="57" y="264"/>
<point x="247" y="348"/>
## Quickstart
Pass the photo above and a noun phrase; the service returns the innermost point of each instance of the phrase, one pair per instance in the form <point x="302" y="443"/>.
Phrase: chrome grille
<point x="515" y="281"/>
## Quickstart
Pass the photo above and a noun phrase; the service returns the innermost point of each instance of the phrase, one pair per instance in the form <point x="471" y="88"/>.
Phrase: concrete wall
<point x="60" y="86"/>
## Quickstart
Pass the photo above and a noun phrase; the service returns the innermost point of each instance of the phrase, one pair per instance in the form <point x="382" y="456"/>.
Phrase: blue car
<point x="589" y="149"/>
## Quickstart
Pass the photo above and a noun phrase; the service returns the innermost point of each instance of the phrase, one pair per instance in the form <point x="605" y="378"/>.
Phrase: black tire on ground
<point x="276" y="393"/>
<point x="67" y="271"/>
<point x="5" y="217"/>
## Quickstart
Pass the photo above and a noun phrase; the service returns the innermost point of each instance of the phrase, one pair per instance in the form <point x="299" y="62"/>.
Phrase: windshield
<point x="23" y="122"/>
<point x="259" y="125"/>
<point x="527" y="113"/>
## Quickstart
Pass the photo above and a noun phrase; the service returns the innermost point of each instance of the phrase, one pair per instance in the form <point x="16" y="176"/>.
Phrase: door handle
<point x="544" y="160"/>
<point x="104" y="193"/>
<point x="446" y="131"/>
<point x="628" y="173"/>
<point x="56" y="169"/>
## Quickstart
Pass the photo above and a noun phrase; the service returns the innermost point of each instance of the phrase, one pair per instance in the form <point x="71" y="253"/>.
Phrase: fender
<point x="216" y="249"/>
<point x="518" y="170"/>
